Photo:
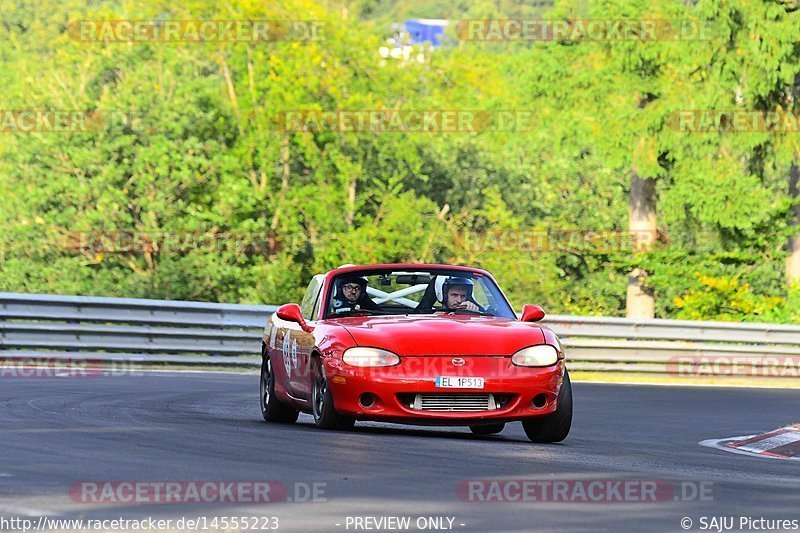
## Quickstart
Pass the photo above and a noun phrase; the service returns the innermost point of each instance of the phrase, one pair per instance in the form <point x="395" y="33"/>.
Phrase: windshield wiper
<point x="364" y="311"/>
<point x="458" y="310"/>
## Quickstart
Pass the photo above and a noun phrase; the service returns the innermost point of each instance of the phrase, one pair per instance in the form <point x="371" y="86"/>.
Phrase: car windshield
<point x="399" y="292"/>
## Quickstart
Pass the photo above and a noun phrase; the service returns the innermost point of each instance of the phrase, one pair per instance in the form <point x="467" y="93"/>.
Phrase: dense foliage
<point x="189" y="147"/>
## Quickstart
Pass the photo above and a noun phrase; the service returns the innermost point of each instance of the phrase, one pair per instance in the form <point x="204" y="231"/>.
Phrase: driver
<point x="457" y="295"/>
<point x="352" y="296"/>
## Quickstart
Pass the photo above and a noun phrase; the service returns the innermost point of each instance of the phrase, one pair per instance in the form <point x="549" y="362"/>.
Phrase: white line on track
<point x="243" y="372"/>
<point x="25" y="511"/>
<point x="98" y="429"/>
<point x="254" y="371"/>
<point x="700" y="385"/>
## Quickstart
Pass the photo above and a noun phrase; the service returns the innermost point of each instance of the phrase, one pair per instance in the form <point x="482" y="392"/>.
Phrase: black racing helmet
<point x="452" y="282"/>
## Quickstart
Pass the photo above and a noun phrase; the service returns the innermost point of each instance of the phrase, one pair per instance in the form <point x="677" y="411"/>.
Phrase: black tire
<point x="271" y="408"/>
<point x="322" y="407"/>
<point x="487" y="430"/>
<point x="555" y="426"/>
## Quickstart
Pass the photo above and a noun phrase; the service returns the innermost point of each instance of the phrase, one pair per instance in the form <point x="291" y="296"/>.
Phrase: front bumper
<point x="517" y="392"/>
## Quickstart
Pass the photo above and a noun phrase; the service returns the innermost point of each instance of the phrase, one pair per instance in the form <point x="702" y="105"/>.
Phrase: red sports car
<point x="414" y="344"/>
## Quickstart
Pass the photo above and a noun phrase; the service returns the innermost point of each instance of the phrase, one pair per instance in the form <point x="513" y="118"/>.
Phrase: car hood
<point x="442" y="334"/>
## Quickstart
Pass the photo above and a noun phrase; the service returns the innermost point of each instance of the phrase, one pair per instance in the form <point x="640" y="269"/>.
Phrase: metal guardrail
<point x="190" y="333"/>
<point x="128" y="329"/>
<point x="679" y="347"/>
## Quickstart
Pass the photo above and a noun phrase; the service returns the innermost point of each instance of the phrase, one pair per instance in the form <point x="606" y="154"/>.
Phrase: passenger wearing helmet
<point x="351" y="295"/>
<point x="457" y="295"/>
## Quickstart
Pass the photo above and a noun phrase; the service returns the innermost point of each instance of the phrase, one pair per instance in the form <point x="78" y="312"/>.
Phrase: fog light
<point x="366" y="400"/>
<point x="539" y="401"/>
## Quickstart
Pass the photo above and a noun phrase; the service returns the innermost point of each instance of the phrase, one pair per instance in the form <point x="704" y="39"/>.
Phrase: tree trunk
<point x="640" y="302"/>
<point x="793" y="261"/>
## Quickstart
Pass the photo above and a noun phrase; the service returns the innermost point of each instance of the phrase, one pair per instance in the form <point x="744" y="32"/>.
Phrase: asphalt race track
<point x="207" y="426"/>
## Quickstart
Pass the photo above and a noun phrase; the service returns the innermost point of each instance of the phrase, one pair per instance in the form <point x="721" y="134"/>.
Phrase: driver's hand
<point x="467" y="305"/>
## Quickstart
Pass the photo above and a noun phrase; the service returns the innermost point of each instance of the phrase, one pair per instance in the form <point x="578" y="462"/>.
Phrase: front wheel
<point x="271" y="408"/>
<point x="325" y="416"/>
<point x="555" y="426"/>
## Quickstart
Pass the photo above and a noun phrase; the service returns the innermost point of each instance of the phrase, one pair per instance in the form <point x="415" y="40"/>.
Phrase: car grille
<point x="453" y="402"/>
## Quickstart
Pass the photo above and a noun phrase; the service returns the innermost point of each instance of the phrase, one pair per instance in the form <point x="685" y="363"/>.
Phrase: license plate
<point x="449" y="382"/>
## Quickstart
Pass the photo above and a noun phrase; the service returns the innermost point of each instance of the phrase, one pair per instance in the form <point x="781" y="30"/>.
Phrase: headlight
<point x="541" y="355"/>
<point x="370" y="357"/>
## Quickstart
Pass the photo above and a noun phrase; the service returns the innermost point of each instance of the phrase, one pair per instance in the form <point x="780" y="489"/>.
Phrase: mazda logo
<point x="457" y="361"/>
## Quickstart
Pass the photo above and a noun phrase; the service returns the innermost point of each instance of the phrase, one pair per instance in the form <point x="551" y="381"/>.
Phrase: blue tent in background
<point x="425" y="30"/>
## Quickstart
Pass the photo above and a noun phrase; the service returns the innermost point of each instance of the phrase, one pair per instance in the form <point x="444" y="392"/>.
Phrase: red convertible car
<point x="414" y="344"/>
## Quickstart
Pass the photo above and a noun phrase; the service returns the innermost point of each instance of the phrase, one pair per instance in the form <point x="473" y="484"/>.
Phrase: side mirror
<point x="292" y="313"/>
<point x="532" y="313"/>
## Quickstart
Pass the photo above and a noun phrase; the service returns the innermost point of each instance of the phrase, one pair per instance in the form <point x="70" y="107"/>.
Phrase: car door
<point x="296" y="344"/>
